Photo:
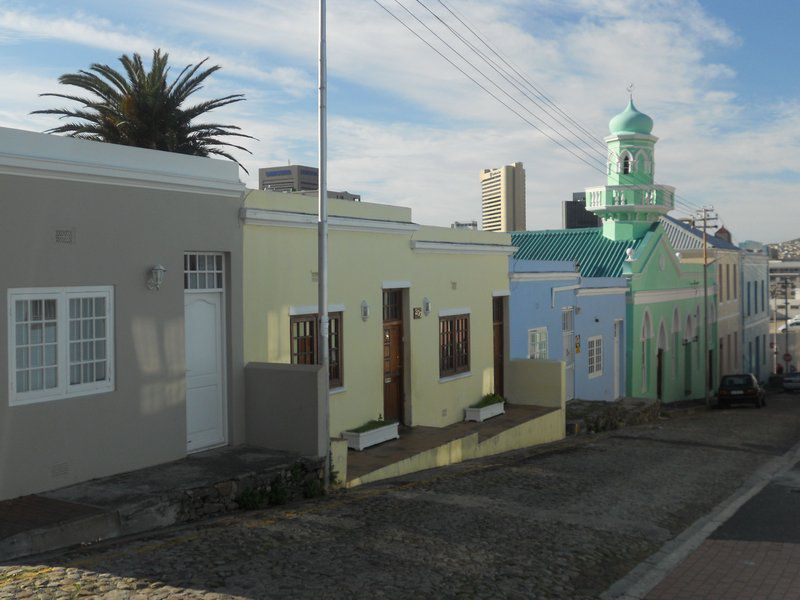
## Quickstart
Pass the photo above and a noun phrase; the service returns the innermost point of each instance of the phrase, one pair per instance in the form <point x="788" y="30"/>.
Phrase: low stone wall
<point x="585" y="416"/>
<point x="303" y="479"/>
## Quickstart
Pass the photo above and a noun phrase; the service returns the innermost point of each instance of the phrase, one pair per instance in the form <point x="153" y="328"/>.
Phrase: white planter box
<point x="365" y="439"/>
<point x="485" y="412"/>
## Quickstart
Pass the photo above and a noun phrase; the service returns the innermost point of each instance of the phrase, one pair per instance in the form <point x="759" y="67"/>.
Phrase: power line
<point x="678" y="201"/>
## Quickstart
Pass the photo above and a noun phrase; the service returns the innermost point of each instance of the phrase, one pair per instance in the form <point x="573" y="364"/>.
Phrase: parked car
<point x="744" y="387"/>
<point x="791" y="382"/>
<point x="794" y="325"/>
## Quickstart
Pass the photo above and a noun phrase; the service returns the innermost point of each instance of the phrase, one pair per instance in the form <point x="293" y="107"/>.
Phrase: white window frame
<point x="594" y="356"/>
<point x="63" y="389"/>
<point x="537" y="337"/>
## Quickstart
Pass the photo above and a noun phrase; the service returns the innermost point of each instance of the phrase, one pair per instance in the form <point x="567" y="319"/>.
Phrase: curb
<point x="649" y="573"/>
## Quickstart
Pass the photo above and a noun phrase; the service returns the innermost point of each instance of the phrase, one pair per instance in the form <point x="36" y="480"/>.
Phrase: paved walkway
<point x="416" y="440"/>
<point x="753" y="554"/>
<point x="175" y="492"/>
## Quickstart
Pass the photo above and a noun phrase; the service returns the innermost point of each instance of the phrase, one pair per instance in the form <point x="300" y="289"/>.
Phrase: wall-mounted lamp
<point x="426" y="306"/>
<point x="364" y="310"/>
<point x="156" y="277"/>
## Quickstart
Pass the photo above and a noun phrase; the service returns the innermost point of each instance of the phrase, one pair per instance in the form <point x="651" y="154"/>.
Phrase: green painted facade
<point x="665" y="321"/>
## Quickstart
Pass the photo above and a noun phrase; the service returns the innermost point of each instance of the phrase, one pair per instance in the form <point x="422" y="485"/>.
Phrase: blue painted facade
<point x="583" y="316"/>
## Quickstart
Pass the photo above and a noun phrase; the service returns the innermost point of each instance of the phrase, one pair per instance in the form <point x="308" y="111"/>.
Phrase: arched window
<point x="676" y="332"/>
<point x="626" y="164"/>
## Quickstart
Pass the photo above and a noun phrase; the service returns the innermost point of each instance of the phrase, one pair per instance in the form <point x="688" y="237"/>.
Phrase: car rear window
<point x="736" y="381"/>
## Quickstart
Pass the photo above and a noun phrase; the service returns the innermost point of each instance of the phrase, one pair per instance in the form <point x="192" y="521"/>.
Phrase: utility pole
<point x="706" y="214"/>
<point x="322" y="245"/>
<point x="785" y="281"/>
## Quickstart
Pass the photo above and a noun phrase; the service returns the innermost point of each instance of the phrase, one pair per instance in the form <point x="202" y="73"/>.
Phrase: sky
<point x="719" y="78"/>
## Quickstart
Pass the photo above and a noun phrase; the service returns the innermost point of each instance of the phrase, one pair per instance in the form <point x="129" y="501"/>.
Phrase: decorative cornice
<point x="461" y="247"/>
<point x="276" y="218"/>
<point x="653" y="296"/>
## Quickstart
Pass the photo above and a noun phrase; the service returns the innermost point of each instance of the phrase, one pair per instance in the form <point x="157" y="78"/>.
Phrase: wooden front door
<point x="660" y="374"/>
<point x="499" y="343"/>
<point x="393" y="359"/>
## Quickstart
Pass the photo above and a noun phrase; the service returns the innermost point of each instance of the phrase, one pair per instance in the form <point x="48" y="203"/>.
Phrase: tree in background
<point x="141" y="108"/>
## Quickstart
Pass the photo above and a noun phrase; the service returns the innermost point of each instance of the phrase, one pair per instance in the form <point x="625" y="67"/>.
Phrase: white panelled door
<point x="205" y="359"/>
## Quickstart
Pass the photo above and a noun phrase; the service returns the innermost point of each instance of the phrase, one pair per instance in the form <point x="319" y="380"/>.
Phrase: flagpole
<point x="322" y="242"/>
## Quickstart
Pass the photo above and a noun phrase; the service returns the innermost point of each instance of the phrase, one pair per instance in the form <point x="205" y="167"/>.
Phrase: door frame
<point x="223" y="308"/>
<point x="404" y="349"/>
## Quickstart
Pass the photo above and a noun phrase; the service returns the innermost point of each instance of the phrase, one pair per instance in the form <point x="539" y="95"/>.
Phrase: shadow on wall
<point x="536" y="382"/>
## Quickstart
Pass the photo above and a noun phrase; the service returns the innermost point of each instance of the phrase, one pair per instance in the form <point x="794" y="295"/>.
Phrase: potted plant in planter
<point x="489" y="406"/>
<point x="371" y="433"/>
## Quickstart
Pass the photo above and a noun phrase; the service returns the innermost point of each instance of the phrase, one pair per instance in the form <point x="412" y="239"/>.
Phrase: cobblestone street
<point x="564" y="521"/>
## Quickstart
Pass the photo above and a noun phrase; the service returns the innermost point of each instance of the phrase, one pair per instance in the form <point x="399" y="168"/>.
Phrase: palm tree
<point x="140" y="108"/>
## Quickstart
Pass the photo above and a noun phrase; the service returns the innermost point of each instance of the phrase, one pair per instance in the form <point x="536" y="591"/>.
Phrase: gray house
<point x="121" y="282"/>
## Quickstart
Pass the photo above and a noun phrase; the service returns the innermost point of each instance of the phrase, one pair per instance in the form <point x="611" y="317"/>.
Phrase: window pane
<point x="88" y="372"/>
<point x="36" y="333"/>
<point x="100" y="349"/>
<point x="22" y="310"/>
<point x="87" y="329"/>
<point x="50" y="355"/>
<point x="88" y="350"/>
<point x="219" y="262"/>
<point x="100" y="371"/>
<point x="74" y="308"/>
<point x="75" y="374"/>
<point x="51" y="378"/>
<point x="22" y="381"/>
<point x="100" y="307"/>
<point x="74" y="330"/>
<point x="22" y="335"/>
<point x="37" y="379"/>
<point x="50" y="332"/>
<point x="193" y="281"/>
<point x="36" y="356"/>
<point x="22" y="358"/>
<point x="50" y="309"/>
<point x="219" y="280"/>
<point x="36" y="310"/>
<point x="201" y="281"/>
<point x="75" y="352"/>
<point x="99" y="328"/>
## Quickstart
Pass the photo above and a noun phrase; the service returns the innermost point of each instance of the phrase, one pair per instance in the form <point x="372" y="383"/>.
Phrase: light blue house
<point x="555" y="314"/>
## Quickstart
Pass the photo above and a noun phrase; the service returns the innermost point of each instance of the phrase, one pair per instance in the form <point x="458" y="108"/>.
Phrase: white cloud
<point x="439" y="129"/>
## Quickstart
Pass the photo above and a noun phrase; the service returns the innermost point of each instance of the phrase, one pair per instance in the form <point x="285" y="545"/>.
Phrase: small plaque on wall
<point x="417" y="312"/>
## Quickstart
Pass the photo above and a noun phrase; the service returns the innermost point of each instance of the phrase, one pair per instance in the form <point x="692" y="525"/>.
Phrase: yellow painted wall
<point x="279" y="273"/>
<point x="539" y="382"/>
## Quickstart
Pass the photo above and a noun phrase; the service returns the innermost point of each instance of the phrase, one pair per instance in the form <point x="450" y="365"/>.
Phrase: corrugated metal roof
<point x="683" y="236"/>
<point x="598" y="256"/>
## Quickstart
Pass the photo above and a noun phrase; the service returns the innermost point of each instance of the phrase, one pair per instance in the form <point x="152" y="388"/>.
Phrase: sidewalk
<point x="199" y="485"/>
<point x="754" y="554"/>
<point x="747" y="548"/>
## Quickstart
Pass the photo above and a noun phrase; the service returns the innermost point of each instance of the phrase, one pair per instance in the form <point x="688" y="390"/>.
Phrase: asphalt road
<point x="563" y="521"/>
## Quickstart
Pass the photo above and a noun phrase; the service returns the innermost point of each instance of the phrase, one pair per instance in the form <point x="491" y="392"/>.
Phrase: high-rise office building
<point x="297" y="178"/>
<point x="574" y="214"/>
<point x="289" y="178"/>
<point x="503" y="198"/>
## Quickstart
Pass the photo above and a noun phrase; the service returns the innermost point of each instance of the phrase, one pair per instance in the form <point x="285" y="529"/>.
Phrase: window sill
<point x="595" y="375"/>
<point x="463" y="375"/>
<point x="18" y="401"/>
<point x="337" y="390"/>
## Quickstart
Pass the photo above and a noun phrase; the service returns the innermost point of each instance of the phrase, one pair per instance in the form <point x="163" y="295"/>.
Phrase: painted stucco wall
<point x="666" y="310"/>
<point x="130" y="209"/>
<point x="280" y="275"/>
<point x="541" y="290"/>
<point x="755" y="314"/>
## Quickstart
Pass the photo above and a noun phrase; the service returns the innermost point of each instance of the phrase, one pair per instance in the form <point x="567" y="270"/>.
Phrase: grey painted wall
<point x="284" y="407"/>
<point x="121" y="231"/>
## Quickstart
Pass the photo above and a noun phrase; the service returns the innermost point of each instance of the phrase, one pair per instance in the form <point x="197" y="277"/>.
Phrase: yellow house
<point x="417" y="328"/>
